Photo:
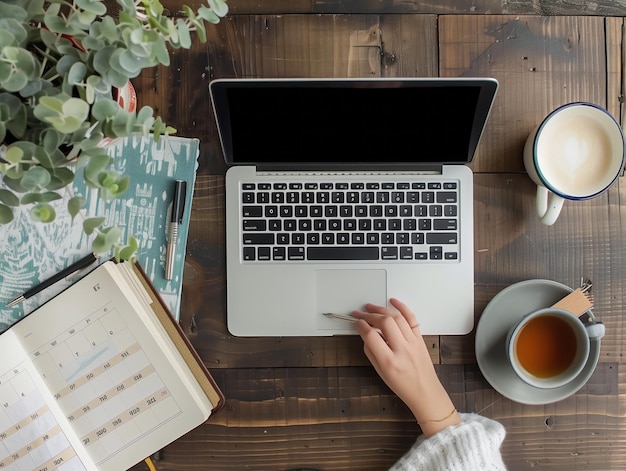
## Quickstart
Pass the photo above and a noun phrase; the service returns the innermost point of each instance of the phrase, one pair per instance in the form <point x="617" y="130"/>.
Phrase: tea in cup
<point x="548" y="348"/>
<point x="576" y="153"/>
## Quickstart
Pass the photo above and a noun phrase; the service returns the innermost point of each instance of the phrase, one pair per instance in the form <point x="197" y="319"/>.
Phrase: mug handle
<point x="548" y="205"/>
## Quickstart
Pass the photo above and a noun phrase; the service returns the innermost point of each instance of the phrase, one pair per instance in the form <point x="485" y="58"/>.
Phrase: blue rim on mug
<point x="538" y="168"/>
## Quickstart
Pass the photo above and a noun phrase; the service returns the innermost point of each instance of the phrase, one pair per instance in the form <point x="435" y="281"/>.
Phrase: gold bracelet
<point x="438" y="420"/>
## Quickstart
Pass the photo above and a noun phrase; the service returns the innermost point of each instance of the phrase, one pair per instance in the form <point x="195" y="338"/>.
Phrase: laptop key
<point x="253" y="238"/>
<point x="449" y="210"/>
<point x="389" y="253"/>
<point x="278" y="253"/>
<point x="295" y="253"/>
<point x="444" y="225"/>
<point x="441" y="238"/>
<point x="343" y="253"/>
<point x="436" y="253"/>
<point x="406" y="253"/>
<point x="252" y="211"/>
<point x="263" y="253"/>
<point x="255" y="225"/>
<point x="446" y="197"/>
<point x="249" y="254"/>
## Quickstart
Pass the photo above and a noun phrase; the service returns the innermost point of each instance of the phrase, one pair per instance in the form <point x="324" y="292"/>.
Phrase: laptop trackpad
<point x="343" y="291"/>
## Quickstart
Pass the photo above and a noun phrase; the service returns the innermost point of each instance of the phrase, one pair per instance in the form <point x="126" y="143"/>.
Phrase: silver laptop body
<point x="342" y="192"/>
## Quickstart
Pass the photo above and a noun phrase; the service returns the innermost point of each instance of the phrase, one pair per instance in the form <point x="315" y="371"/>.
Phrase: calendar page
<point x="106" y="372"/>
<point x="31" y="437"/>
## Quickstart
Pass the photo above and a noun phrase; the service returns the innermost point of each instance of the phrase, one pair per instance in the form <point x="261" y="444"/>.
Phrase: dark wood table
<point x="315" y="403"/>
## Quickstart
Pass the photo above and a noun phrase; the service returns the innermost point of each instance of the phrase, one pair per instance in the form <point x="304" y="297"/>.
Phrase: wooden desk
<point x="296" y="403"/>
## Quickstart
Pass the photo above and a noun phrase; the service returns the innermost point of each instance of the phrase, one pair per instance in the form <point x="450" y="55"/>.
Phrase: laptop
<point x="342" y="192"/>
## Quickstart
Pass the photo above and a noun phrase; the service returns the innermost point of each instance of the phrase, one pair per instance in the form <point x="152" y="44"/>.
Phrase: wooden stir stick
<point x="577" y="302"/>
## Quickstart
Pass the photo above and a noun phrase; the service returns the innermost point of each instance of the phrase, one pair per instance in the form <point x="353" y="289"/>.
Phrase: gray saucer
<point x="502" y="312"/>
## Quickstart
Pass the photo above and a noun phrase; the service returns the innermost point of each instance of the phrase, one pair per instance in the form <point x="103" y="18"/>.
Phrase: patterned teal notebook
<point x="31" y="252"/>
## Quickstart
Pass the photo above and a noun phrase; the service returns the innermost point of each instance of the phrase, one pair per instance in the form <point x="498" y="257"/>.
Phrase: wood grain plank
<point x="282" y="46"/>
<point x="346" y="418"/>
<point x="525" y="250"/>
<point x="540" y="62"/>
<point x="442" y="7"/>
<point x="204" y="304"/>
<point x="316" y="402"/>
<point x="616" y="54"/>
<point x="409" y="46"/>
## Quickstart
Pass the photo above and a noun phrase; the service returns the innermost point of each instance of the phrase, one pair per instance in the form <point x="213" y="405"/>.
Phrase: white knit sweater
<point x="474" y="444"/>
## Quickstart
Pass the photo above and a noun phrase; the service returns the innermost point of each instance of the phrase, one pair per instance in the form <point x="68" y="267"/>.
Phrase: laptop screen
<point x="283" y="122"/>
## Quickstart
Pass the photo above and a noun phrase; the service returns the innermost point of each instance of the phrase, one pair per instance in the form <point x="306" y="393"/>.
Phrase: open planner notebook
<point x="99" y="378"/>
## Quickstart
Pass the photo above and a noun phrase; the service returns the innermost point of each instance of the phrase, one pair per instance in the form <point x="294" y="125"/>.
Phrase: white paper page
<point x="31" y="436"/>
<point x="99" y="362"/>
<point x="131" y="283"/>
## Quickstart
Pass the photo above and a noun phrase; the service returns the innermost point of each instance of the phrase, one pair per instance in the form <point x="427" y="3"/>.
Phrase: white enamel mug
<point x="576" y="153"/>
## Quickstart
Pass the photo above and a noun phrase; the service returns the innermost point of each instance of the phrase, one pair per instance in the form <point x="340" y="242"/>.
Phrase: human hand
<point x="396" y="348"/>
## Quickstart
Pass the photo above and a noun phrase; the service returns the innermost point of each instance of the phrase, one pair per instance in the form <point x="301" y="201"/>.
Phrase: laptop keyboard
<point x="403" y="221"/>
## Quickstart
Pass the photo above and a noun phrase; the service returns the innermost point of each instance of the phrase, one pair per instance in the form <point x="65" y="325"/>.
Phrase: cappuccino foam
<point x="576" y="155"/>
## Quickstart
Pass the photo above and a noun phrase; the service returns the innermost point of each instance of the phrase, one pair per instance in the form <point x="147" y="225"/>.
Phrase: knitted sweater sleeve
<point x="474" y="444"/>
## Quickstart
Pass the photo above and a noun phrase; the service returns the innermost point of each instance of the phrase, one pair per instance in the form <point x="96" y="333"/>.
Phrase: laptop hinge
<point x="352" y="168"/>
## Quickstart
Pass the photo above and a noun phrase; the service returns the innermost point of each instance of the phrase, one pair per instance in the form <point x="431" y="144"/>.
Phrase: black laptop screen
<point x="373" y="122"/>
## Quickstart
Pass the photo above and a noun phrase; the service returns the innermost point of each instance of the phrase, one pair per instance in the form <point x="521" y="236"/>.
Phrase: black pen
<point x="178" y="209"/>
<point x="66" y="272"/>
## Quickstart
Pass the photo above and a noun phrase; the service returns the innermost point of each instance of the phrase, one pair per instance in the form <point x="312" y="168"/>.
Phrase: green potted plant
<point x="65" y="91"/>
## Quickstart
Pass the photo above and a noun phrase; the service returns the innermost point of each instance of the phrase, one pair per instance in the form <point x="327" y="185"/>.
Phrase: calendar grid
<point x="104" y="383"/>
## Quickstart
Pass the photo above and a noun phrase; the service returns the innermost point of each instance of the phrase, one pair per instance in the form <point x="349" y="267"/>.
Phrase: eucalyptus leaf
<point x="8" y="198"/>
<point x="60" y="178"/>
<point x="104" y="109"/>
<point x="8" y="11"/>
<point x="208" y="15"/>
<point x="74" y="204"/>
<point x="100" y="244"/>
<point x="106" y="239"/>
<point x="57" y="24"/>
<point x="14" y="154"/>
<point x="32" y="88"/>
<point x="6" y="214"/>
<point x="36" y="179"/>
<point x="13" y="31"/>
<point x="97" y="8"/>
<point x="128" y="251"/>
<point x="95" y="166"/>
<point x="15" y="82"/>
<point x="220" y="7"/>
<point x="77" y="73"/>
<point x="35" y="9"/>
<point x="91" y="224"/>
<point x="112" y="235"/>
<point x="59" y="64"/>
<point x="46" y="197"/>
<point x="184" y="35"/>
<point x="6" y="70"/>
<point x="43" y="212"/>
<point x="51" y="140"/>
<point x="76" y="108"/>
<point x="14" y="183"/>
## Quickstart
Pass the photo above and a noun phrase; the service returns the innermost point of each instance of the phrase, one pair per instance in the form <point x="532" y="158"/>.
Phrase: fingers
<point x="374" y="345"/>
<point x="408" y="315"/>
<point x="395" y="326"/>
